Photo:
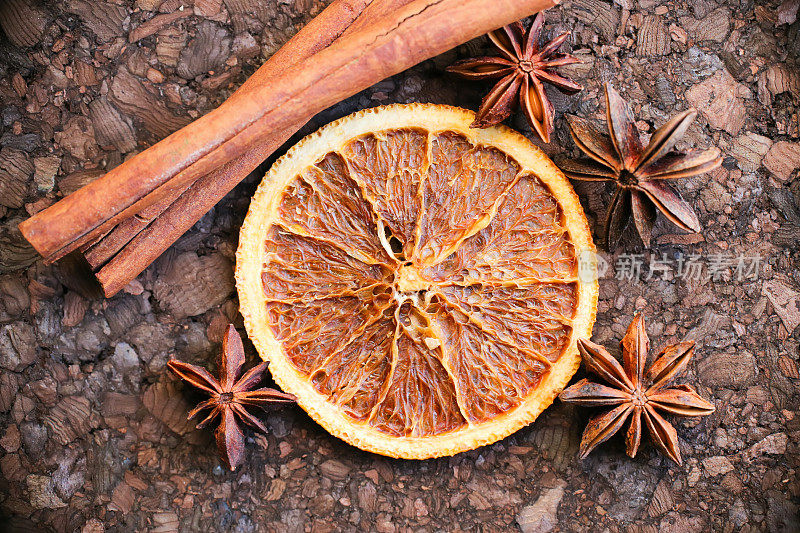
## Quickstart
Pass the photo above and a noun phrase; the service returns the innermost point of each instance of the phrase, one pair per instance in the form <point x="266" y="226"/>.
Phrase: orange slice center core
<point x="407" y="279"/>
<point x="418" y="283"/>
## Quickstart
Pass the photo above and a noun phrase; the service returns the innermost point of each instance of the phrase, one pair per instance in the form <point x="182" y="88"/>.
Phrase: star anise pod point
<point x="639" y="172"/>
<point x="229" y="395"/>
<point x="635" y="394"/>
<point x="522" y="68"/>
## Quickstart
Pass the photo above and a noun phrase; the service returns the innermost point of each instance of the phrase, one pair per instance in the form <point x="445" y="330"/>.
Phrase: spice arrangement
<point x="436" y="310"/>
<point x="399" y="331"/>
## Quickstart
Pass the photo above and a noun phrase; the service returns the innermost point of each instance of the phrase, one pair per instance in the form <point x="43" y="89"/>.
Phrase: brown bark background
<point x="93" y="434"/>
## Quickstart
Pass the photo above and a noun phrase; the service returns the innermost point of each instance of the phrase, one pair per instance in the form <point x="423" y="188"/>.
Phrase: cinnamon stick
<point x="99" y="252"/>
<point x="411" y="33"/>
<point x="154" y="176"/>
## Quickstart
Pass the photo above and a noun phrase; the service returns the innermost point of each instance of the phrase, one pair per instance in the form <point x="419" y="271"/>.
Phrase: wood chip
<point x="719" y="99"/>
<point x="41" y="493"/>
<point x="557" y="438"/>
<point x="787" y="11"/>
<point x="103" y="18"/>
<point x="169" y="6"/>
<point x="771" y="444"/>
<point x="216" y="329"/>
<point x="207" y="51"/>
<point x="15" y="251"/>
<point x="276" y="488"/>
<point x="14" y="299"/>
<point x="367" y="496"/>
<point x="78" y="139"/>
<point x="783" y="159"/>
<point x="26" y="142"/>
<point x="93" y="525"/>
<point x="72" y="182"/>
<point x="165" y="522"/>
<point x="170" y="42"/>
<point x="133" y="99"/>
<point x="190" y="285"/>
<point x="8" y="390"/>
<point x="121" y="314"/>
<point x="785" y="300"/>
<point x="150" y="27"/>
<point x="138" y="63"/>
<point x="148" y="5"/>
<point x="45" y="172"/>
<point x="23" y="21"/>
<point x="15" y="171"/>
<point x="653" y="38"/>
<point x="137" y="483"/>
<point x="119" y="404"/>
<point x="70" y="419"/>
<point x="765" y="16"/>
<point x="777" y="79"/>
<point x="713" y="27"/>
<point x="166" y="402"/>
<point x="11" y="467"/>
<point x="75" y="307"/>
<point x="39" y="291"/>
<point x="211" y="10"/>
<point x="788" y="367"/>
<point x="678" y="34"/>
<point x="45" y="389"/>
<point x="782" y="78"/>
<point x="749" y="149"/>
<point x="734" y="371"/>
<point x="122" y="499"/>
<point x="17" y="346"/>
<point x="240" y="10"/>
<point x="335" y="470"/>
<point x="155" y="75"/>
<point x="600" y="15"/>
<point x="85" y="73"/>
<point x="110" y="127"/>
<point x="717" y="465"/>
<point x="662" y="501"/>
<point x="541" y="516"/>
<point x="19" y="85"/>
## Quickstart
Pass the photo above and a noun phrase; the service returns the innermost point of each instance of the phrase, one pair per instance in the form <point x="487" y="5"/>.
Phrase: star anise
<point x="636" y="394"/>
<point x="522" y="69"/>
<point x="638" y="172"/>
<point x="229" y="396"/>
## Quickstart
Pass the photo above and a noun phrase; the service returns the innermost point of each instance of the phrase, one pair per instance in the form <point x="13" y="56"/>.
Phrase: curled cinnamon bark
<point x="202" y="162"/>
<point x="340" y="18"/>
<point x="111" y="255"/>
<point x="158" y="174"/>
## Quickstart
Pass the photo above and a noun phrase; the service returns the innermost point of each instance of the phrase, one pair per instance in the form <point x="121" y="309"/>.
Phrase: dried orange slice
<point x="414" y="282"/>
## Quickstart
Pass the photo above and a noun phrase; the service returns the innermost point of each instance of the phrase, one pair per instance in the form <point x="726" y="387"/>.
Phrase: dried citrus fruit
<point x="415" y="282"/>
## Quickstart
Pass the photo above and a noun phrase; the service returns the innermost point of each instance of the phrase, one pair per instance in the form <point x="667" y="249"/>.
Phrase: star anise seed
<point x="523" y="68"/>
<point x="229" y="396"/>
<point x="639" y="172"/>
<point x="636" y="394"/>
